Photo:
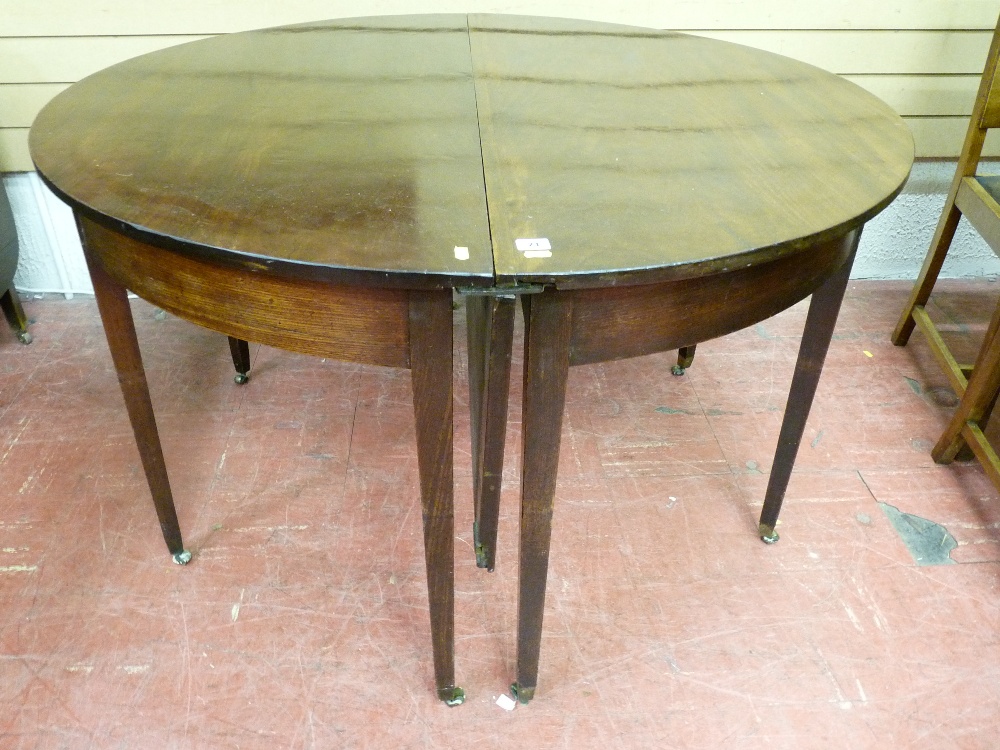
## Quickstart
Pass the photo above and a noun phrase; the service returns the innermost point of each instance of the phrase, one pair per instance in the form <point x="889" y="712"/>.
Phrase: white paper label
<point x="461" y="253"/>
<point x="506" y="703"/>
<point x="537" y="253"/>
<point x="536" y="243"/>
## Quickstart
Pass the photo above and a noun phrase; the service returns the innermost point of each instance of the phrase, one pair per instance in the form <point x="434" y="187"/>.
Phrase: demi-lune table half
<point x="326" y="187"/>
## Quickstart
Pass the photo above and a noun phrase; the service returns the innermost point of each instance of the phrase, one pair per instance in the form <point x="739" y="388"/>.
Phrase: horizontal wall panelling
<point x="129" y="17"/>
<point x="874" y="52"/>
<point x="20" y="102"/>
<point x="923" y="57"/>
<point x="68" y="59"/>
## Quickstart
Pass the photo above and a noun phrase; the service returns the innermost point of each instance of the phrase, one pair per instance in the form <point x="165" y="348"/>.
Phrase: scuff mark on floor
<point x="673" y="410"/>
<point x="941" y="396"/>
<point x="18" y="568"/>
<point x="929" y="542"/>
<point x="710" y="412"/>
<point x="761" y="331"/>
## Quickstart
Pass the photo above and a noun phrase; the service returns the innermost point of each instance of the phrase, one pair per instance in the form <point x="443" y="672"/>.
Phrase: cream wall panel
<point x="929" y="75"/>
<point x="68" y="59"/>
<point x="919" y="95"/>
<point x="19" y="103"/>
<point x="14" y="150"/>
<point x="134" y="17"/>
<point x="943" y="136"/>
<point x="874" y="52"/>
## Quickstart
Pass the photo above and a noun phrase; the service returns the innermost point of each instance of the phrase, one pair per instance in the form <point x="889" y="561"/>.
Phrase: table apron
<point x="620" y="322"/>
<point x="355" y="324"/>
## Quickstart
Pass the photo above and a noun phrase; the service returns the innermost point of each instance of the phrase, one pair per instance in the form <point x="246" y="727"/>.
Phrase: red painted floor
<point x="302" y="620"/>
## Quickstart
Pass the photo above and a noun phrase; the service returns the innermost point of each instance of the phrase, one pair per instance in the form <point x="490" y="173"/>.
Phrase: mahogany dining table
<point x="327" y="187"/>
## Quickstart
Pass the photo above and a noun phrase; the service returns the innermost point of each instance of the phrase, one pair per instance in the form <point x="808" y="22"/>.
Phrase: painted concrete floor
<point x="302" y="620"/>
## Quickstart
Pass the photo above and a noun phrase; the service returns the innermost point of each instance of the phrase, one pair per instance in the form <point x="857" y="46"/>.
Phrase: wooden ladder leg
<point x="116" y="315"/>
<point x="431" y="363"/>
<point x="548" y="326"/>
<point x="978" y="400"/>
<point x="240" y="350"/>
<point x="12" y="310"/>
<point x="491" y="334"/>
<point x="968" y="160"/>
<point x="820" y="322"/>
<point x="929" y="271"/>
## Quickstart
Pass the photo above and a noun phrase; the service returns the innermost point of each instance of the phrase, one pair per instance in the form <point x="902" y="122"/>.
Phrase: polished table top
<point x="367" y="150"/>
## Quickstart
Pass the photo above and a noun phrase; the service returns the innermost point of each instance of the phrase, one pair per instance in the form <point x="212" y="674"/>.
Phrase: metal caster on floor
<point x="182" y="558"/>
<point x="452" y="696"/>
<point x="522" y="694"/>
<point x="767" y="534"/>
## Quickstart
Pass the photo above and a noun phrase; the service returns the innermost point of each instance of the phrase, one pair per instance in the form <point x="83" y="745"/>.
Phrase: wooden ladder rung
<point x="956" y="373"/>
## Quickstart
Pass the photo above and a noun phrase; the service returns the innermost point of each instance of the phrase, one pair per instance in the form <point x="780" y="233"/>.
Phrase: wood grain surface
<point x="320" y="187"/>
<point x="329" y="149"/>
<point x="645" y="155"/>
<point x="356" y="324"/>
<point x="367" y="150"/>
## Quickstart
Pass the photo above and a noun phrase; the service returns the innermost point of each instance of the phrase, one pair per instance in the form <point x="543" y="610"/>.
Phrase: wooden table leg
<point x="240" y="350"/>
<point x="431" y="365"/>
<point x="548" y="324"/>
<point x="820" y="322"/>
<point x="685" y="358"/>
<point x="490" y="340"/>
<point x="119" y="327"/>
<point x="12" y="310"/>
